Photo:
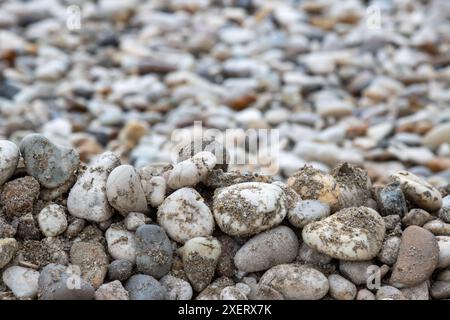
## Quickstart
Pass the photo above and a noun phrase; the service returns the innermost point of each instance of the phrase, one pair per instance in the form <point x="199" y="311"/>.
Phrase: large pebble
<point x="144" y="287"/>
<point x="50" y="164"/>
<point x="184" y="215"/>
<point x="418" y="257"/>
<point x="191" y="171"/>
<point x="92" y="260"/>
<point x="52" y="220"/>
<point x="267" y="249"/>
<point x="153" y="251"/>
<point x="23" y="282"/>
<point x="351" y="234"/>
<point x="307" y="211"/>
<point x="248" y="208"/>
<point x="341" y="288"/>
<point x="87" y="198"/>
<point x="8" y="247"/>
<point x="200" y="256"/>
<point x="9" y="157"/>
<point x="124" y="190"/>
<point x="296" y="282"/>
<point x="313" y="184"/>
<point x="121" y="243"/>
<point x="177" y="289"/>
<point x="418" y="191"/>
<point x="444" y="251"/>
<point x="58" y="282"/>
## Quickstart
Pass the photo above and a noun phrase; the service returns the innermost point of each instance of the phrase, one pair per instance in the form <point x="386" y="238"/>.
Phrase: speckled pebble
<point x="9" y="157"/>
<point x="144" y="287"/>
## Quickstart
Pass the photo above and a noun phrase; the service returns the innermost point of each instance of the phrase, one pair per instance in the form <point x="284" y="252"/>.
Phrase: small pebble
<point x="389" y="251"/>
<point x="9" y="158"/>
<point x="307" y="211"/>
<point x="135" y="219"/>
<point x="92" y="260"/>
<point x="391" y="200"/>
<point x="177" y="289"/>
<point x="389" y="293"/>
<point x="112" y="291"/>
<point x="365" y="294"/>
<point x="440" y="290"/>
<point x="341" y="288"/>
<point x="18" y="196"/>
<point x="120" y="269"/>
<point x="121" y="243"/>
<point x="8" y="247"/>
<point x="417" y="217"/>
<point x="23" y="282"/>
<point x="144" y="287"/>
<point x="52" y="220"/>
<point x="444" y="251"/>
<point x="419" y="292"/>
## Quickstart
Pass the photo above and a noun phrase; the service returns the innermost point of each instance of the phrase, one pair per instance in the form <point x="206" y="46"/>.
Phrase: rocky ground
<point x="99" y="201"/>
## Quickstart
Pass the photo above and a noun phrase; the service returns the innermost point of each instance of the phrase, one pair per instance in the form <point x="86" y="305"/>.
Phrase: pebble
<point x="9" y="158"/>
<point x="154" y="189"/>
<point x="437" y="136"/>
<point x="391" y="200"/>
<point x="309" y="255"/>
<point x="58" y="282"/>
<point x="52" y="220"/>
<point x="267" y="249"/>
<point x="92" y="260"/>
<point x="341" y="288"/>
<point x="389" y="251"/>
<point x="212" y="291"/>
<point x="124" y="190"/>
<point x="200" y="256"/>
<point x="153" y="251"/>
<point x="23" y="282"/>
<point x="197" y="145"/>
<point x="135" y="219"/>
<point x="307" y="211"/>
<point x="50" y="164"/>
<point x="444" y="212"/>
<point x="248" y="208"/>
<point x="365" y="294"/>
<point x="177" y="289"/>
<point x="18" y="196"/>
<point x="8" y="248"/>
<point x="263" y="292"/>
<point x="232" y="293"/>
<point x="417" y="258"/>
<point x="226" y="266"/>
<point x="112" y="291"/>
<point x="444" y="251"/>
<point x="296" y="282"/>
<point x="354" y="234"/>
<point x="121" y="243"/>
<point x="417" y="217"/>
<point x="418" y="191"/>
<point x="120" y="269"/>
<point x="189" y="172"/>
<point x="87" y="198"/>
<point x="356" y="271"/>
<point x="184" y="215"/>
<point x="389" y="293"/>
<point x="419" y="292"/>
<point x="438" y="227"/>
<point x="144" y="287"/>
<point x="313" y="184"/>
<point x="440" y="290"/>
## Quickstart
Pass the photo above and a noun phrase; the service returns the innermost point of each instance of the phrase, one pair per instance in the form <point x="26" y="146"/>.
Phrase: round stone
<point x="52" y="220"/>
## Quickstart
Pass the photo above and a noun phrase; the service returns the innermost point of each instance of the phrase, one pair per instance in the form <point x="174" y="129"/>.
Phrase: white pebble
<point x="52" y="220"/>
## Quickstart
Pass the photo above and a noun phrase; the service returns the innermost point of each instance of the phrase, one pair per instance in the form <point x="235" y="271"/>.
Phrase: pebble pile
<point x="94" y="206"/>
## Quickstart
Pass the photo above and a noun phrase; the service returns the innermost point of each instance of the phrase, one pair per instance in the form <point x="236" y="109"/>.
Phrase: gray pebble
<point x="120" y="269"/>
<point x="144" y="287"/>
<point x="391" y="200"/>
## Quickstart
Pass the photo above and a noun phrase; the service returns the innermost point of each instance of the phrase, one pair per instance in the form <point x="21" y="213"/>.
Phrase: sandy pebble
<point x="264" y="292"/>
<point x="296" y="282"/>
<point x="23" y="282"/>
<point x="438" y="227"/>
<point x="19" y="195"/>
<point x="350" y="234"/>
<point x="135" y="219"/>
<point x="184" y="215"/>
<point x="50" y="164"/>
<point x="391" y="200"/>
<point x="124" y="190"/>
<point x="226" y="266"/>
<point x="153" y="251"/>
<point x="189" y="172"/>
<point x="200" y="256"/>
<point x="412" y="269"/>
<point x="389" y="293"/>
<point x="307" y="211"/>
<point x="417" y="217"/>
<point x="389" y="251"/>
<point x="177" y="289"/>
<point x="249" y="208"/>
<point x="213" y="290"/>
<point x="144" y="287"/>
<point x="8" y="247"/>
<point x="120" y="269"/>
<point x="52" y="220"/>
<point x="419" y="292"/>
<point x="267" y="249"/>
<point x="341" y="288"/>
<point x="313" y="184"/>
<point x="92" y="260"/>
<point x="9" y="158"/>
<point x="418" y="191"/>
<point x="111" y="291"/>
<point x="154" y="189"/>
<point x="310" y="255"/>
<point x="232" y="293"/>
<point x="356" y="271"/>
<point x="87" y="198"/>
<point x="121" y="243"/>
